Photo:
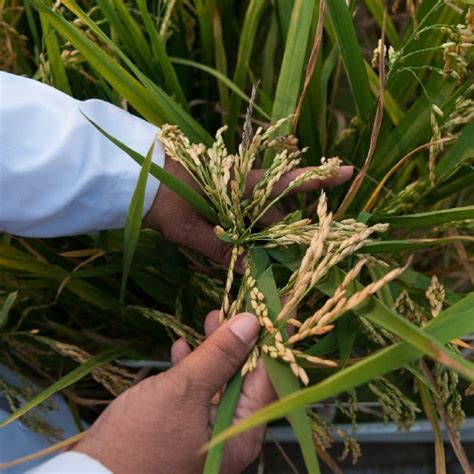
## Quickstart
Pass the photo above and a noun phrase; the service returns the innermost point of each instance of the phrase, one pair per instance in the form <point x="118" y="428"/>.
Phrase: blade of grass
<point x="246" y="42"/>
<point x="393" y="110"/>
<point x="451" y="324"/>
<point x="213" y="10"/>
<point x="127" y="31"/>
<point x="428" y="408"/>
<point x="34" y="30"/>
<point x="461" y="151"/>
<point x="453" y="434"/>
<point x="205" y="30"/>
<point x="357" y="183"/>
<point x="220" y="77"/>
<point x="311" y="62"/>
<point x="391" y="246"/>
<point x="285" y="383"/>
<point x="326" y="72"/>
<point x="16" y="260"/>
<point x="269" y="50"/>
<point x="283" y="380"/>
<point x="180" y="188"/>
<point x="348" y="44"/>
<point x="72" y="377"/>
<point x="56" y="63"/>
<point x="161" y="57"/>
<point x="379" y="314"/>
<point x="224" y="417"/>
<point x="283" y="9"/>
<point x="426" y="219"/>
<point x="373" y="197"/>
<point x="346" y="331"/>
<point x="145" y="96"/>
<point x="376" y="8"/>
<point x="291" y="72"/>
<point x="133" y="224"/>
<point x="5" y="309"/>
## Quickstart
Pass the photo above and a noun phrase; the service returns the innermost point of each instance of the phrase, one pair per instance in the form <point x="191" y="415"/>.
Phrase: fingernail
<point x="245" y="326"/>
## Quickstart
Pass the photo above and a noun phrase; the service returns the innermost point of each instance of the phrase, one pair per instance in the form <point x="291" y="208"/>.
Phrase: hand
<point x="180" y="223"/>
<point x="160" y="424"/>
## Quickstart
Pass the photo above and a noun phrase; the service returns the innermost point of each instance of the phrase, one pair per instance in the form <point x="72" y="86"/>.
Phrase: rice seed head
<point x="435" y="295"/>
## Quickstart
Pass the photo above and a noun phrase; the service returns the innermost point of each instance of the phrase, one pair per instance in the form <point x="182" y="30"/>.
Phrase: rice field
<point x="364" y="291"/>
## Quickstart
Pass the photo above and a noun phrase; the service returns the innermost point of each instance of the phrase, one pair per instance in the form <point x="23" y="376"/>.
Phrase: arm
<point x="58" y="175"/>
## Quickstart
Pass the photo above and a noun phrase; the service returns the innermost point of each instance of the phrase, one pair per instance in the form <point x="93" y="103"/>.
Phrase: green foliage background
<point x="192" y="63"/>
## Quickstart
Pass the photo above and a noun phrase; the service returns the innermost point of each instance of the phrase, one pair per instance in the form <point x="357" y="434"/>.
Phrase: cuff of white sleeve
<point x="70" y="463"/>
<point x="122" y="172"/>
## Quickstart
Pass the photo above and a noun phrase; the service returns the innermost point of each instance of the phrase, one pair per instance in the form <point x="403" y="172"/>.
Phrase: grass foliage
<point x="386" y="87"/>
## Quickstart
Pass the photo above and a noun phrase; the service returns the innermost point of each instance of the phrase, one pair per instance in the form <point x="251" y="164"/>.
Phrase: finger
<point x="179" y="350"/>
<point x="212" y="322"/>
<point x="204" y="240"/>
<point x="345" y="173"/>
<point x="257" y="392"/>
<point x="270" y="217"/>
<point x="220" y="356"/>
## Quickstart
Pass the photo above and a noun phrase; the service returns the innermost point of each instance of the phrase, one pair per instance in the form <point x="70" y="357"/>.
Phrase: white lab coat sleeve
<point x="59" y="175"/>
<point x="71" y="462"/>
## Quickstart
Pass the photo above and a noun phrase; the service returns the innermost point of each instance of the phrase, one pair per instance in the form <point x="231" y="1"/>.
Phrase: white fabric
<point x="59" y="175"/>
<point x="71" y="462"/>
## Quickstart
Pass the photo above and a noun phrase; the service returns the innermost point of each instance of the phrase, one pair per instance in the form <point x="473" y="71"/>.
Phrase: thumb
<point x="215" y="361"/>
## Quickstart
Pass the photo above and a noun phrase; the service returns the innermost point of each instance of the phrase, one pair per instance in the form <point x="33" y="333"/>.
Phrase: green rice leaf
<point x="56" y="63"/>
<point x="269" y="50"/>
<point x="247" y="40"/>
<point x="220" y="57"/>
<point x="282" y="378"/>
<point x="224" y="416"/>
<point x="326" y="73"/>
<point x="133" y="224"/>
<point x="127" y="31"/>
<point x="389" y="103"/>
<point x="5" y="309"/>
<point x="349" y="47"/>
<point x="379" y="314"/>
<point x="346" y="331"/>
<point x="459" y="153"/>
<point x="14" y="259"/>
<point x="292" y="68"/>
<point x="424" y="219"/>
<point x="161" y="58"/>
<point x="221" y="78"/>
<point x="145" y="96"/>
<point x="180" y="188"/>
<point x="72" y="377"/>
<point x="389" y="246"/>
<point x="453" y="323"/>
<point x="285" y="383"/>
<point x="376" y="8"/>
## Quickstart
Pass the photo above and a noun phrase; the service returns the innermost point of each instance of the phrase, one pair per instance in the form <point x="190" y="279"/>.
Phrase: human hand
<point x="180" y="223"/>
<point x="160" y="424"/>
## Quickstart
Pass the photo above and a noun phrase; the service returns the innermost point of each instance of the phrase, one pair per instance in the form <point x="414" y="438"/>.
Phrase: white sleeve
<point x="59" y="175"/>
<point x="71" y="462"/>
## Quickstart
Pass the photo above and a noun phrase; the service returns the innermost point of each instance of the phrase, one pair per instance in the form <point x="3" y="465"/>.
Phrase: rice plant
<point x="363" y="291"/>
